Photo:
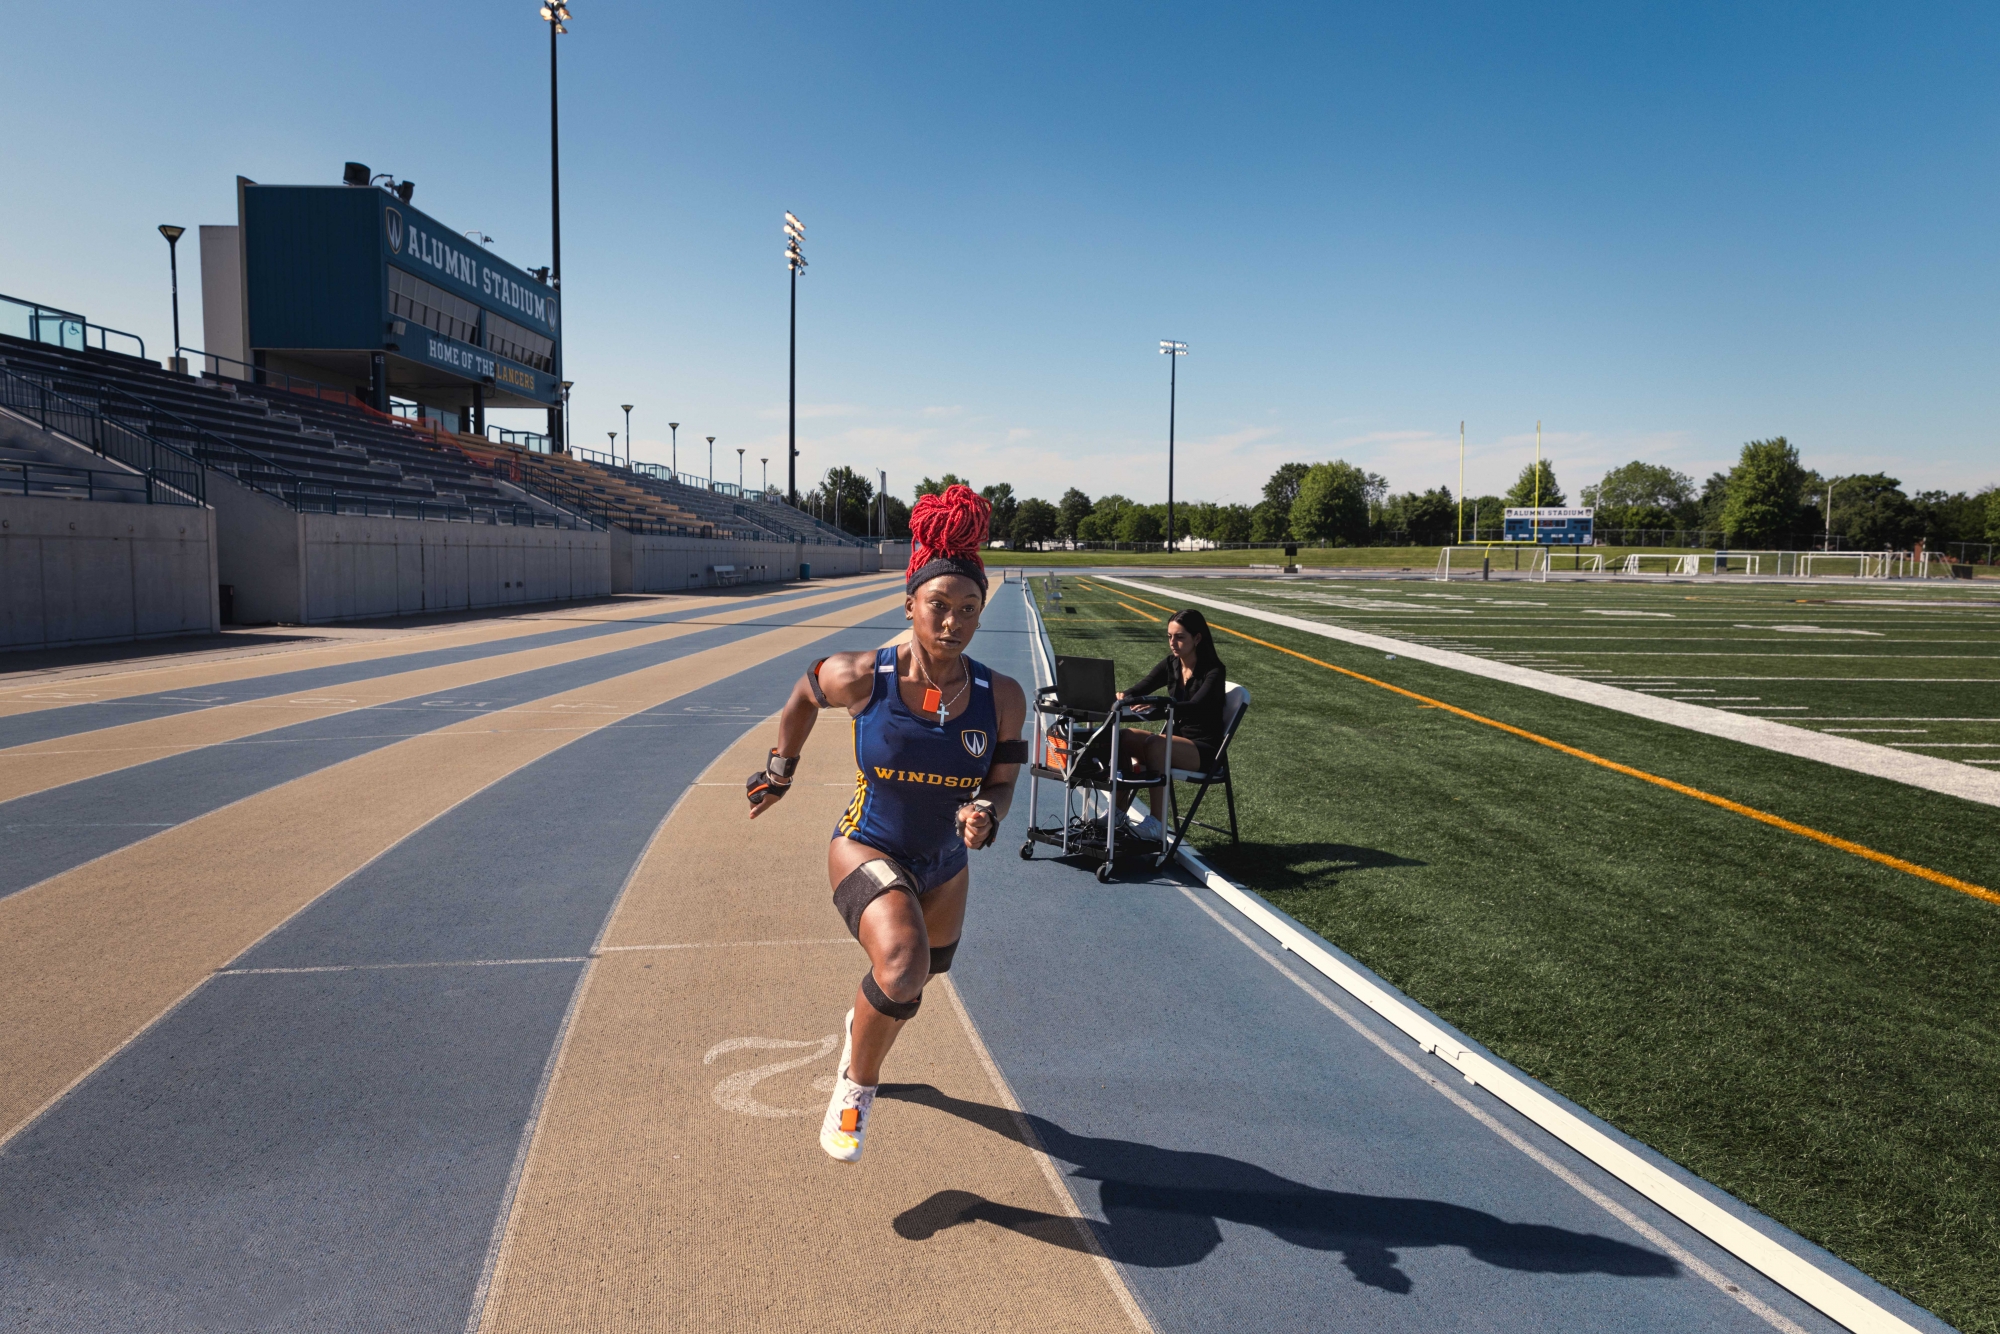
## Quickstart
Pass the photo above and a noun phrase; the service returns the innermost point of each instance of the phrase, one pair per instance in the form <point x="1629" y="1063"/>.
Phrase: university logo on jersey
<point x="395" y="224"/>
<point x="975" y="743"/>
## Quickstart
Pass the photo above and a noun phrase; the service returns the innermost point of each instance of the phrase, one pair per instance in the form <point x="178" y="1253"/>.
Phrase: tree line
<point x="1768" y="500"/>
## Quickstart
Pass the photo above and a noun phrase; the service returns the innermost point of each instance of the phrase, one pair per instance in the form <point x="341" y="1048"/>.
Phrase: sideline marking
<point x="1136" y="612"/>
<point x="1678" y="1253"/>
<point x="1734" y="807"/>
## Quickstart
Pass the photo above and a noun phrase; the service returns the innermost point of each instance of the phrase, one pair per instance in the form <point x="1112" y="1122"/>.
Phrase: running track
<point x="443" y="986"/>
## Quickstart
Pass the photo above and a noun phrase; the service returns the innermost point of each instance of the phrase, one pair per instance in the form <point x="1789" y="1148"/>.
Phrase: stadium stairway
<point x="610" y="494"/>
<point x="319" y="455"/>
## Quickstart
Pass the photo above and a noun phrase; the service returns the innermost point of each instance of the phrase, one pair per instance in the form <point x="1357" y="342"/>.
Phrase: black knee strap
<point x="941" y="957"/>
<point x="867" y="883"/>
<point x="879" y="998"/>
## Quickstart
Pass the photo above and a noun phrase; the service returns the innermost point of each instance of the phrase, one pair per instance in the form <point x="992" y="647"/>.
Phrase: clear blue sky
<point x="1662" y="230"/>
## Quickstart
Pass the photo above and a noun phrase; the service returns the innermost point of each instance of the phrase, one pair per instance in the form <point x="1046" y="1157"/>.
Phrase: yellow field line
<point x="1734" y="807"/>
<point x="1136" y="612"/>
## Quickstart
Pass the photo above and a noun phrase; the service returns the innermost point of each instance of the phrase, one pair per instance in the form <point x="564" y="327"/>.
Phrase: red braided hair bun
<point x="948" y="530"/>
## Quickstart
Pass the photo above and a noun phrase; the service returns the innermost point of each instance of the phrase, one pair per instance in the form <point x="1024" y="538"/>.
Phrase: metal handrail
<point x="154" y="415"/>
<point x="61" y="479"/>
<point x="173" y="476"/>
<point x="263" y="376"/>
<point x="39" y="314"/>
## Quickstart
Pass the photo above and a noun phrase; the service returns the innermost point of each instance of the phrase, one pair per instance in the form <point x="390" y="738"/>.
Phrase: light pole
<point x="173" y="235"/>
<point x="711" y="463"/>
<point x="739" y="472"/>
<point x="767" y="475"/>
<point x="795" y="260"/>
<point x="675" y="427"/>
<point x="614" y="445"/>
<point x="1173" y="352"/>
<point x="556" y="13"/>
<point x="1461" y="490"/>
<point x="560" y="444"/>
<point x="1827" y="545"/>
<point x="628" y="434"/>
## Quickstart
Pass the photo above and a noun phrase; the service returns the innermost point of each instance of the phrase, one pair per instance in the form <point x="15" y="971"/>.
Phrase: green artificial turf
<point x="1412" y="559"/>
<point x="1808" y="1030"/>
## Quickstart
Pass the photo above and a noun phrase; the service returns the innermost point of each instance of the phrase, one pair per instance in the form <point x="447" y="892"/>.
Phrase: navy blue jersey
<point x="911" y="775"/>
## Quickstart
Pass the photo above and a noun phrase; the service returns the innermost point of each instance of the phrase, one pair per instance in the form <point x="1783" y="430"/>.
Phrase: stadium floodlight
<point x="173" y="235"/>
<point x="355" y="173"/>
<point x="404" y="189"/>
<point x="556" y="14"/>
<point x="1173" y="351"/>
<point x="795" y="261"/>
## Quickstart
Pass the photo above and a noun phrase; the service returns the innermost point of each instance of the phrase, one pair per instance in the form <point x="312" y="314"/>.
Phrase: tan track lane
<point x="89" y="958"/>
<point x="46" y="764"/>
<point x="674" y="1184"/>
<point x="115" y="684"/>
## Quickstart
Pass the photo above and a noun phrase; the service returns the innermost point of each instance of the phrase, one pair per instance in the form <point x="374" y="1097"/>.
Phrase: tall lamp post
<point x="795" y="260"/>
<point x="614" y="445"/>
<point x="628" y="433"/>
<point x="173" y="235"/>
<point x="1461" y="490"/>
<point x="675" y="427"/>
<point x="739" y="472"/>
<point x="767" y="475"/>
<point x="556" y="13"/>
<point x="711" y="463"/>
<point x="1173" y="352"/>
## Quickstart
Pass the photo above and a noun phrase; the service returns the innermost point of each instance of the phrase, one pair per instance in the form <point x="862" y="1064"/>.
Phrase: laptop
<point x="1086" y="685"/>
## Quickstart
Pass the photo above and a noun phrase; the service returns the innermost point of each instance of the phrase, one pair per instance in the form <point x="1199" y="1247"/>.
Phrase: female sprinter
<point x="936" y="746"/>
<point x="1197" y="684"/>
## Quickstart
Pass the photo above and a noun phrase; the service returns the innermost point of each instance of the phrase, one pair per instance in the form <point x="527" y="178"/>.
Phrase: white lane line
<point x="1050" y="1173"/>
<point x="391" y="967"/>
<point x="1930" y="772"/>
<point x="1687" y="1259"/>
<point x="1905" y="731"/>
<point x="728" y="944"/>
<point x="1798" y="1275"/>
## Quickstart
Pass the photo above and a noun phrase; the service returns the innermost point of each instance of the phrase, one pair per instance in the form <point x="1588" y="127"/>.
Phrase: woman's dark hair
<point x="1205" y="656"/>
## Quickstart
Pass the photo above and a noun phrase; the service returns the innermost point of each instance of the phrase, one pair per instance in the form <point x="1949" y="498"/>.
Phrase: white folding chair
<point x="1235" y="704"/>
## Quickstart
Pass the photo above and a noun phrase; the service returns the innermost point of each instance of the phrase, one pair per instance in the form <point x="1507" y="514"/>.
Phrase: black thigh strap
<point x="867" y="883"/>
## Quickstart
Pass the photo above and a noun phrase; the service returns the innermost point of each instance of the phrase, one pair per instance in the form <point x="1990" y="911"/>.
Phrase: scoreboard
<point x="1557" y="527"/>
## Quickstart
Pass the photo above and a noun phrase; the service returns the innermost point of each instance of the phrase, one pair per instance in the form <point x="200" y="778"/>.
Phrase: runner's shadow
<point x="1163" y="1208"/>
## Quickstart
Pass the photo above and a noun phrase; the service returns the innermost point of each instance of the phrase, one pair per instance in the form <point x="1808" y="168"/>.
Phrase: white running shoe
<point x="1149" y="829"/>
<point x="846" y="1121"/>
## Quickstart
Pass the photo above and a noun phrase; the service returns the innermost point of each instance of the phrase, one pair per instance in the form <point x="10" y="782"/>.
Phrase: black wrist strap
<point x="1011" y="752"/>
<point x="781" y="767"/>
<point x="812" y="684"/>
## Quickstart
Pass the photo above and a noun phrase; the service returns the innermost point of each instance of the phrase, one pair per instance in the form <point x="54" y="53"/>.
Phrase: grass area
<point x="1413" y="560"/>
<point x="1915" y="668"/>
<point x="1809" y="1030"/>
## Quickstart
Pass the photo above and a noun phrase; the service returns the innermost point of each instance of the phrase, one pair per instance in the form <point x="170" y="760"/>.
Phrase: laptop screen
<point x="1088" y="685"/>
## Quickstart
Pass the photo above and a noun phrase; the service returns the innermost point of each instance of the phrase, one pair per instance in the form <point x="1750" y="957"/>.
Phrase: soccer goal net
<point x="1480" y="562"/>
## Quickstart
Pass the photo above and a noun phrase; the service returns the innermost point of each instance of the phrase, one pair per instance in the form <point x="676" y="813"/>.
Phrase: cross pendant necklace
<point x="933" y="697"/>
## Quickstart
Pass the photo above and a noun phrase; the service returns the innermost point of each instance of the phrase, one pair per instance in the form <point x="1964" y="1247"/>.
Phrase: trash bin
<point x="805" y="571"/>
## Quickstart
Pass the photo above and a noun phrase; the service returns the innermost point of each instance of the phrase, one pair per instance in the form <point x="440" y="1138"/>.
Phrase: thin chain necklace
<point x="933" y="697"/>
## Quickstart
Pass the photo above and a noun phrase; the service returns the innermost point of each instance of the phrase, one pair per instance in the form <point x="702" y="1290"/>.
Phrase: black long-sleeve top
<point x="1198" y="704"/>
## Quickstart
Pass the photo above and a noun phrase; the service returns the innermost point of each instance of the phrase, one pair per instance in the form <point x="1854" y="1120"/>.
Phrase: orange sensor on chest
<point x="932" y="700"/>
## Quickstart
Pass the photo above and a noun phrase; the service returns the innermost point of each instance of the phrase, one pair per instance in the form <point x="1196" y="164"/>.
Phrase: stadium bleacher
<point x="306" y="447"/>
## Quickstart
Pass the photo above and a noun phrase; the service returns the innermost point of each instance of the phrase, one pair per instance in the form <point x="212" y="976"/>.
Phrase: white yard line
<point x="1928" y="772"/>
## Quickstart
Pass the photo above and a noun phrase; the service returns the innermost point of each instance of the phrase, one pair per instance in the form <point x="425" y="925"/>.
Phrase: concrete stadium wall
<point x="364" y="567"/>
<point x="82" y="572"/>
<point x="641" y="564"/>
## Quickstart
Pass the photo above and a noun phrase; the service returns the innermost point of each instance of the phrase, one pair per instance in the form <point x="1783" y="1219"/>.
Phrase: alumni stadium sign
<point x="416" y="243"/>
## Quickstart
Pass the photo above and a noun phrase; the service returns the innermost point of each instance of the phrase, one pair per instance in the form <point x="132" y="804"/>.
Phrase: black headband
<point x="937" y="566"/>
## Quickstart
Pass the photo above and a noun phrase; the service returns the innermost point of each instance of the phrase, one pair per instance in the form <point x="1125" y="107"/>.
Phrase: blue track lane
<point x="49" y="832"/>
<point x="47" y="724"/>
<point x="1252" y="1162"/>
<point x="331" y="1150"/>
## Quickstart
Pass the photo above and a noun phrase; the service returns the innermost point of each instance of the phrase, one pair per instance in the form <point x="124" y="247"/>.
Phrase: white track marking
<point x="1800" y="1276"/>
<point x="1680" y="1254"/>
<point x="731" y="944"/>
<point x="737" y="1093"/>
<point x="1033" y="1142"/>
<point x="1929" y="772"/>
<point x="390" y="967"/>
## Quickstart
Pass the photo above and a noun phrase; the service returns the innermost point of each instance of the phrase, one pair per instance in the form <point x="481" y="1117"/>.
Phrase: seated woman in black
<point x="1193" y="677"/>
